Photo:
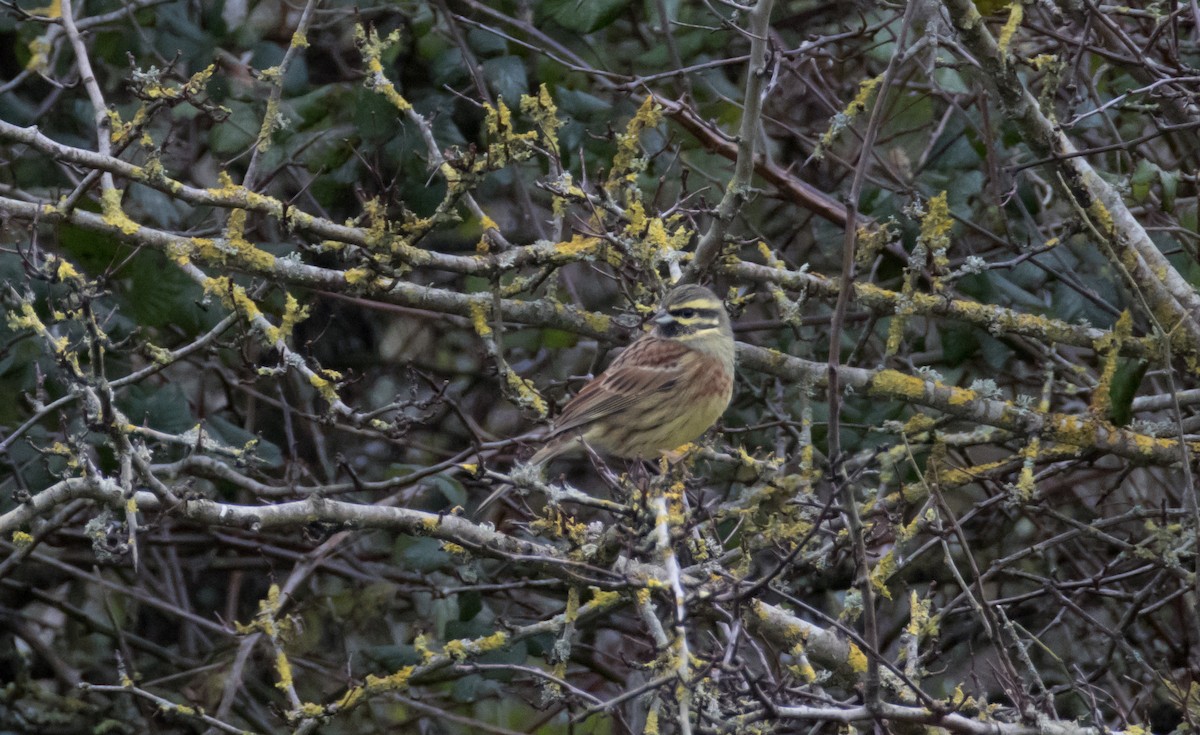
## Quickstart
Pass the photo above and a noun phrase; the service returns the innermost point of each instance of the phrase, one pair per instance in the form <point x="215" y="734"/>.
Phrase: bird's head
<point x="694" y="315"/>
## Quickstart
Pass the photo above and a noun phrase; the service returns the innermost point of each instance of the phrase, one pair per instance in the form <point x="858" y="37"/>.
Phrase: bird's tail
<point x="550" y="450"/>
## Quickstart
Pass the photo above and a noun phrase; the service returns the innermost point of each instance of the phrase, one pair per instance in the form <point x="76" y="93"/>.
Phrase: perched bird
<point x="663" y="391"/>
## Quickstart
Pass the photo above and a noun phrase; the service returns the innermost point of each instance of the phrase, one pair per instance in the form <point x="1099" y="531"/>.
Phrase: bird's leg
<point x="640" y="476"/>
<point x="605" y="473"/>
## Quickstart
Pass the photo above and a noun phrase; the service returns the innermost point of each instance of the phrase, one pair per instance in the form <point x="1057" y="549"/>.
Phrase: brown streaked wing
<point x="647" y="366"/>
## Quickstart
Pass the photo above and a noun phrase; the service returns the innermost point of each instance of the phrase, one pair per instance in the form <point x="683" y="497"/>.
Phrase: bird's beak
<point x="663" y="318"/>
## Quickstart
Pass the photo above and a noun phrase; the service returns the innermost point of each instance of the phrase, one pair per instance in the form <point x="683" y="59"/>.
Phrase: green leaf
<point x="959" y="343"/>
<point x="580" y="103"/>
<point x="374" y="117"/>
<point x="1124" y="386"/>
<point x="164" y="409"/>
<point x="469" y="605"/>
<point x="514" y="653"/>
<point x="557" y="339"/>
<point x="157" y="294"/>
<point x="474" y="687"/>
<point x="995" y="353"/>
<point x="585" y="16"/>
<point x="1169" y="180"/>
<point x="316" y="105"/>
<point x="421" y="554"/>
<point x="392" y="656"/>
<point x="469" y="629"/>
<point x="993" y="287"/>
<point x="450" y="489"/>
<point x="447" y="68"/>
<point x="1139" y="184"/>
<point x="486" y="43"/>
<point x="235" y="436"/>
<point x="506" y="77"/>
<point x="237" y="133"/>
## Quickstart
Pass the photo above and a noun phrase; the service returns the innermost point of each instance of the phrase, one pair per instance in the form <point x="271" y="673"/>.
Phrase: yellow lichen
<point x="918" y="615"/>
<point x="113" y="215"/>
<point x="1042" y="60"/>
<point x="636" y="214"/>
<point x="39" y="55"/>
<point x="935" y="230"/>
<point x="283" y="668"/>
<point x="273" y="119"/>
<point x="460" y="649"/>
<point x="961" y="396"/>
<point x="1015" y="14"/>
<point x="326" y="387"/>
<point x="604" y="598"/>
<point x="896" y="331"/>
<point x="526" y="394"/>
<point x="233" y="297"/>
<point x="651" y="727"/>
<point x="292" y="315"/>
<point x="802" y="669"/>
<point x="265" y="619"/>
<point x="226" y="186"/>
<point x="544" y="113"/>
<point x="355" y="276"/>
<point x="918" y="423"/>
<point x="1075" y="430"/>
<point x="393" y="682"/>
<point x="64" y="271"/>
<point x="1110" y="347"/>
<point x="871" y="240"/>
<point x="866" y="89"/>
<point x="768" y="256"/>
<point x="27" y="319"/>
<point x="53" y="10"/>
<point x="1026" y="485"/>
<point x="895" y="384"/>
<point x="578" y="247"/>
<point x="353" y="696"/>
<point x="421" y="644"/>
<point x="857" y="105"/>
<point x="22" y="540"/>
<point x="626" y="163"/>
<point x="378" y="227"/>
<point x="247" y="255"/>
<point x="479" y="318"/>
<point x="180" y="709"/>
<point x="117" y="130"/>
<point x="504" y="142"/>
<point x="1103" y="218"/>
<point x="1148" y="445"/>
<point x="372" y="48"/>
<point x="883" y="569"/>
<point x="857" y="659"/>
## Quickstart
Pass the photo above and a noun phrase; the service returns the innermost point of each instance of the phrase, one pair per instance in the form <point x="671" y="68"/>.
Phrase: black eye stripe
<point x="694" y="313"/>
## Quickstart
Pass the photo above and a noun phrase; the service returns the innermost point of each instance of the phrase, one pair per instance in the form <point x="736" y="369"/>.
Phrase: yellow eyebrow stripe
<point x="695" y="304"/>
